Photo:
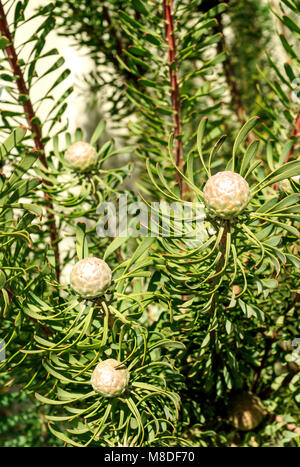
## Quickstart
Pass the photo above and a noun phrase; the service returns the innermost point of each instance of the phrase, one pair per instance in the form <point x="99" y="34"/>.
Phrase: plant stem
<point x="268" y="347"/>
<point x="264" y="359"/>
<point x="235" y="93"/>
<point x="34" y="126"/>
<point x="175" y="95"/>
<point x="294" y="134"/>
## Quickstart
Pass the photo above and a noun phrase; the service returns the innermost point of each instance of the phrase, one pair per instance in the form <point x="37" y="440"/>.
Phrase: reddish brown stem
<point x="235" y="94"/>
<point x="34" y="126"/>
<point x="175" y="95"/>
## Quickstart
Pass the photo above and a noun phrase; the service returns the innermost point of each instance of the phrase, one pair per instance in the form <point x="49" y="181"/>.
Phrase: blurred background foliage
<point x="194" y="323"/>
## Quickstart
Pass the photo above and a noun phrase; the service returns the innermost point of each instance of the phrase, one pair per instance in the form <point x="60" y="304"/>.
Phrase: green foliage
<point x="194" y="321"/>
<point x="23" y="422"/>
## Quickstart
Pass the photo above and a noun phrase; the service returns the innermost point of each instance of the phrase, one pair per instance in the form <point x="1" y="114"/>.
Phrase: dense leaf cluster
<point x="194" y="321"/>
